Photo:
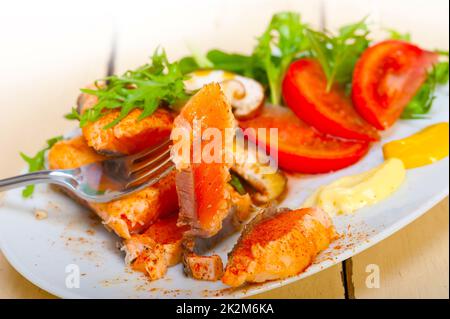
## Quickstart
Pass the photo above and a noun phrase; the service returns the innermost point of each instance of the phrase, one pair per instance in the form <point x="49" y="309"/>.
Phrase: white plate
<point x="42" y="250"/>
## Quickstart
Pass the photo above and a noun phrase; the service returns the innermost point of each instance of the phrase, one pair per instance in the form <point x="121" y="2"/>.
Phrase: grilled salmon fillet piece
<point x="202" y="185"/>
<point x="209" y="268"/>
<point x="278" y="243"/>
<point x="207" y="201"/>
<point x="158" y="248"/>
<point x="125" y="216"/>
<point x="131" y="135"/>
<point x="132" y="214"/>
<point x="73" y="153"/>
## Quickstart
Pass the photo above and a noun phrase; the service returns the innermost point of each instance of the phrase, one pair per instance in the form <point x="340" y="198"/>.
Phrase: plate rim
<point x="345" y="254"/>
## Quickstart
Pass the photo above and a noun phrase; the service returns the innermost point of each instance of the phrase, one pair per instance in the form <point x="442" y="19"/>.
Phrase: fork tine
<point x="163" y="167"/>
<point x="144" y="164"/>
<point x="150" y="151"/>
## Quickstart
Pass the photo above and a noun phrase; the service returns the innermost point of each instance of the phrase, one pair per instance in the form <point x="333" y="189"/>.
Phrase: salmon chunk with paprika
<point x="158" y="248"/>
<point x="202" y="185"/>
<point x="130" y="135"/>
<point x="278" y="243"/>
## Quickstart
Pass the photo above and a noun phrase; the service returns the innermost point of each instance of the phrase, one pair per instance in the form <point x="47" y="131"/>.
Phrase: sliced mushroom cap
<point x="246" y="95"/>
<point x="253" y="166"/>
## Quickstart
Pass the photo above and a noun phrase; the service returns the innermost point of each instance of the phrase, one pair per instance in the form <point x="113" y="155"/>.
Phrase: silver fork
<point x="106" y="180"/>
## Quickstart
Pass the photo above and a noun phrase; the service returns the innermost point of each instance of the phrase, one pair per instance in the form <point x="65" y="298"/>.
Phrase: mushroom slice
<point x="253" y="165"/>
<point x="246" y="95"/>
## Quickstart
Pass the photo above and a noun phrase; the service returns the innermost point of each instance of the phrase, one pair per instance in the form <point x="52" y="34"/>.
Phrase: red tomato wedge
<point x="386" y="78"/>
<point x="300" y="147"/>
<point x="304" y="90"/>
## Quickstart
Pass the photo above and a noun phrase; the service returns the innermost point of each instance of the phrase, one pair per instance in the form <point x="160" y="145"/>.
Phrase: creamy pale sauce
<point x="350" y="193"/>
<point x="423" y="148"/>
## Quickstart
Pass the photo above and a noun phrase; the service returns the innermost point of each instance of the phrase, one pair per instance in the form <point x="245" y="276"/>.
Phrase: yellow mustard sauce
<point x="350" y="193"/>
<point x="228" y="75"/>
<point x="204" y="72"/>
<point x="422" y="148"/>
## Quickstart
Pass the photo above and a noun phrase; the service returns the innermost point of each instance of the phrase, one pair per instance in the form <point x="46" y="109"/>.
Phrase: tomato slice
<point x="301" y="148"/>
<point x="386" y="78"/>
<point x="304" y="91"/>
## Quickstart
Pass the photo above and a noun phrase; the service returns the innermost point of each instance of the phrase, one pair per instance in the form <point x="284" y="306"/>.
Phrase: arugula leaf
<point x="144" y="88"/>
<point x="278" y="46"/>
<point x="441" y="73"/>
<point x="237" y="184"/>
<point x="282" y="41"/>
<point x="201" y="60"/>
<point x="73" y="115"/>
<point x="442" y="52"/>
<point x="395" y="35"/>
<point x="424" y="98"/>
<point x="37" y="163"/>
<point x="339" y="53"/>
<point x="245" y="65"/>
<point x="188" y="65"/>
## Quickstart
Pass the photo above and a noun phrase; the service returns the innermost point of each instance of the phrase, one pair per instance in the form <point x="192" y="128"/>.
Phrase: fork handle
<point x="60" y="177"/>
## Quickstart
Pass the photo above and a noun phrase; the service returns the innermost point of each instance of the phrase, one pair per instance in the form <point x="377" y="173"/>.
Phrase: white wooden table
<point x="51" y="48"/>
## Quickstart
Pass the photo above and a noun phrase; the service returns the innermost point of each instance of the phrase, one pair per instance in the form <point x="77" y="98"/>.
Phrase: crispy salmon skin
<point x="125" y="216"/>
<point x="278" y="243"/>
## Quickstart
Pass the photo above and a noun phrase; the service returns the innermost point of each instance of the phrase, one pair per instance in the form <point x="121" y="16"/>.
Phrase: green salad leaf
<point x="37" y="163"/>
<point x="285" y="39"/>
<point x="339" y="53"/>
<point x="282" y="41"/>
<point x="144" y="88"/>
<point x="395" y="35"/>
<point x="237" y="184"/>
<point x="245" y="65"/>
<point x="423" y="100"/>
<point x="73" y="115"/>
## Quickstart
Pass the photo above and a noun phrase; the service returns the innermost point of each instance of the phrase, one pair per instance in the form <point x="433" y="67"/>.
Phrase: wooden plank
<point x="13" y="285"/>
<point x="427" y="21"/>
<point x="49" y="50"/>
<point x="326" y="284"/>
<point x="41" y="76"/>
<point x="404" y="270"/>
<point x="230" y="25"/>
<point x="413" y="263"/>
<point x="83" y="58"/>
